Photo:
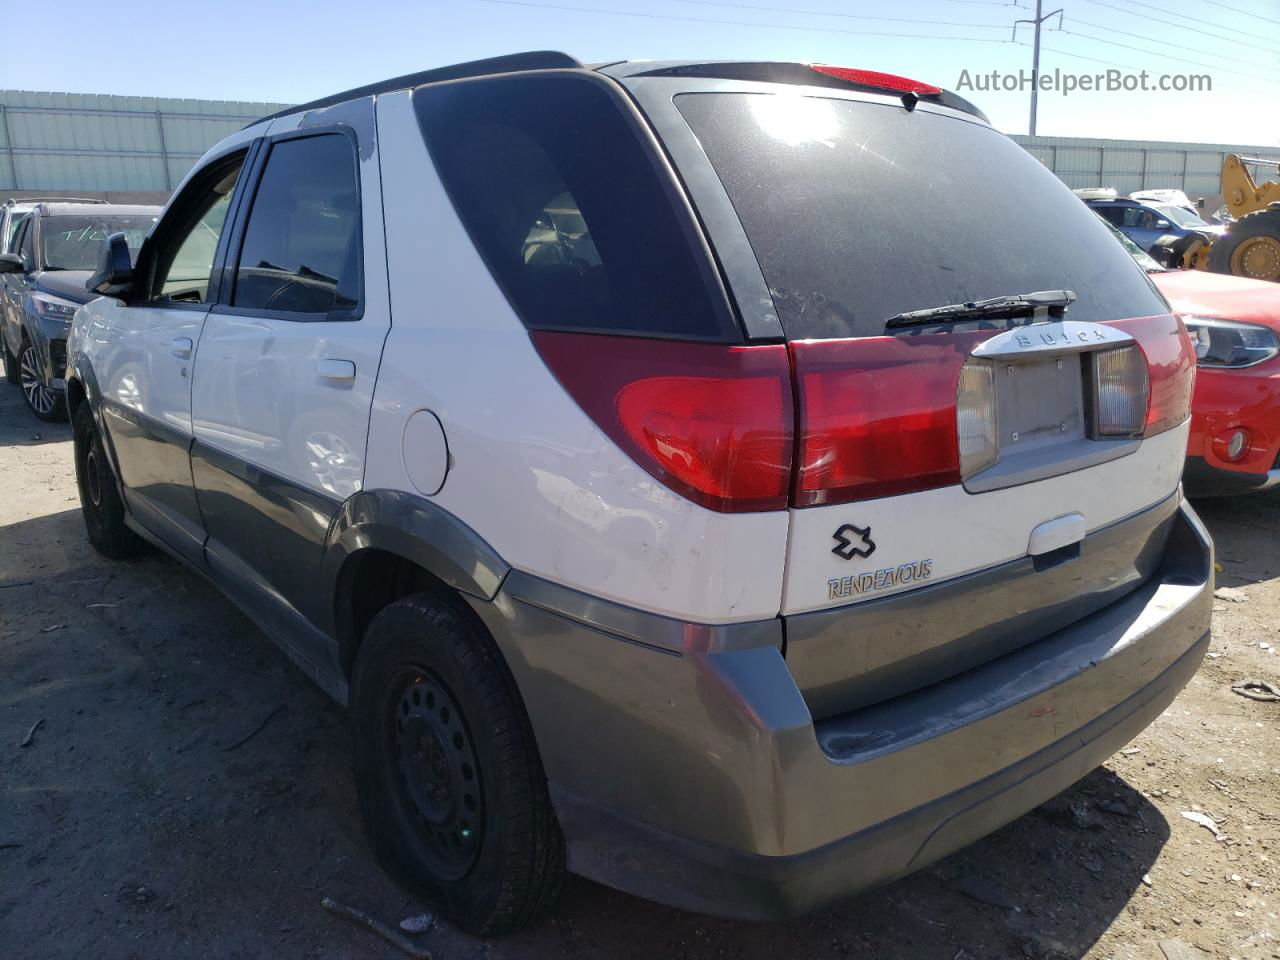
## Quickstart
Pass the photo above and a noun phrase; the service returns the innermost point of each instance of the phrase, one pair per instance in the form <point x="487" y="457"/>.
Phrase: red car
<point x="1235" y="411"/>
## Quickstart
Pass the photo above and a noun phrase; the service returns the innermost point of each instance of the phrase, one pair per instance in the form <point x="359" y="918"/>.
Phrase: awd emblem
<point x="853" y="542"/>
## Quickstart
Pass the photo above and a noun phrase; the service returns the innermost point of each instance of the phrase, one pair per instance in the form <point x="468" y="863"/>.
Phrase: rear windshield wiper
<point x="1051" y="304"/>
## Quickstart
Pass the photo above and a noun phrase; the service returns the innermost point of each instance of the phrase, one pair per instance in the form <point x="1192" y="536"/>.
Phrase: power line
<point x="1196" y="63"/>
<point x="1167" y="43"/>
<point x="1247" y="13"/>
<point x="1178" y="26"/>
<point x="1081" y="56"/>
<point x="1111" y="63"/>
<point x="1167" y="13"/>
<point x="737" y="23"/>
<point x="847" y="16"/>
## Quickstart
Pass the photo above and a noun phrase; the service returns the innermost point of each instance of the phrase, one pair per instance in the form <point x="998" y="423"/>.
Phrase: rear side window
<point x="570" y="210"/>
<point x="302" y="242"/>
<point x="859" y="211"/>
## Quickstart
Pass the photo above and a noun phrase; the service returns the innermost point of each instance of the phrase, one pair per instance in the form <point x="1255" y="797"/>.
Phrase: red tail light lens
<point x="712" y="422"/>
<point x="883" y="81"/>
<point x="878" y="415"/>
<point x="1171" y="365"/>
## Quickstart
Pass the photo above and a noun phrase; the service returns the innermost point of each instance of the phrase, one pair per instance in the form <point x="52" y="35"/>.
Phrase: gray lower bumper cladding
<point x="686" y="767"/>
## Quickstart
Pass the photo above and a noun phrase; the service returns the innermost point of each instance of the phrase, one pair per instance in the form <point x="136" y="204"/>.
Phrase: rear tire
<point x="10" y="362"/>
<point x="452" y="789"/>
<point x="100" y="501"/>
<point x="1250" y="247"/>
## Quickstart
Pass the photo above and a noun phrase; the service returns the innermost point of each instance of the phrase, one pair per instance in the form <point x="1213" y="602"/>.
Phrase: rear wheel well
<point x="370" y="581"/>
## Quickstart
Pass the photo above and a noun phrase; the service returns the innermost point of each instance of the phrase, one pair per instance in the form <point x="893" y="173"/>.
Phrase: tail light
<point x="876" y="417"/>
<point x="1171" y="369"/>
<point x="1120" y="392"/>
<point x="977" y="423"/>
<point x="712" y="422"/>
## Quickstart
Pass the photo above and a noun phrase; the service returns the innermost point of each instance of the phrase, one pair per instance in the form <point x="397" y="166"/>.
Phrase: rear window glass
<point x="568" y="209"/>
<point x="859" y="211"/>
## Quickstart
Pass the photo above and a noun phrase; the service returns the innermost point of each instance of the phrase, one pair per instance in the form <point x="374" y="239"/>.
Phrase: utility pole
<point x="1035" y="56"/>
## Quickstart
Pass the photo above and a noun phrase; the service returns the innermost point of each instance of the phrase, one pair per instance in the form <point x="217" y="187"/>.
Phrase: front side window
<point x="76" y="242"/>
<point x="569" y="209"/>
<point x="302" y="247"/>
<point x="187" y="242"/>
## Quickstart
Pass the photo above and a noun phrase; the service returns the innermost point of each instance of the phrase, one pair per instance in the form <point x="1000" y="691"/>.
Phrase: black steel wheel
<point x="438" y="770"/>
<point x="451" y="786"/>
<point x="100" y="502"/>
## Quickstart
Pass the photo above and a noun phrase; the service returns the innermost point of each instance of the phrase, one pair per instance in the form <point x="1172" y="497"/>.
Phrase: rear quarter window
<point x="573" y="213"/>
<point x="859" y="211"/>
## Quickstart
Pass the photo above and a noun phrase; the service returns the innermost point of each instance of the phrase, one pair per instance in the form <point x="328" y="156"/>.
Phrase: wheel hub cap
<point x="438" y="770"/>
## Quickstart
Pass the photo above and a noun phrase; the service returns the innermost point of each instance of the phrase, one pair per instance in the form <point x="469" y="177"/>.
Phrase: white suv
<point x="739" y="483"/>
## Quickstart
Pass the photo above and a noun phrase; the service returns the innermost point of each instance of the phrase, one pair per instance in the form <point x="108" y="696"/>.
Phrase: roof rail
<point x="512" y="63"/>
<point x="22" y="201"/>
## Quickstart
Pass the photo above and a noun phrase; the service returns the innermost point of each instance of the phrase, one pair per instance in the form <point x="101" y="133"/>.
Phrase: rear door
<point x="287" y="364"/>
<point x="931" y="454"/>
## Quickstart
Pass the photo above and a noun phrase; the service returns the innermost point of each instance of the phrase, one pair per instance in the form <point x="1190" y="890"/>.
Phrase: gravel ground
<point x="134" y="827"/>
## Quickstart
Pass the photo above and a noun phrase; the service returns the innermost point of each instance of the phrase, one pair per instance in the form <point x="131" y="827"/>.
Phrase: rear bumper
<point x="698" y="778"/>
<point x="624" y="853"/>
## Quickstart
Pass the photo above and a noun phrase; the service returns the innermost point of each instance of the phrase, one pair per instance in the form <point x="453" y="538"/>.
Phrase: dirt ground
<point x="133" y="826"/>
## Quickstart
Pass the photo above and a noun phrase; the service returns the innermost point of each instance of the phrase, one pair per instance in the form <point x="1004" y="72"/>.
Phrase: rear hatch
<point x="962" y="483"/>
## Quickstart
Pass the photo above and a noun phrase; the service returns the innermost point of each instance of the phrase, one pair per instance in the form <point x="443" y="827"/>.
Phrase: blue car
<point x="1144" y="222"/>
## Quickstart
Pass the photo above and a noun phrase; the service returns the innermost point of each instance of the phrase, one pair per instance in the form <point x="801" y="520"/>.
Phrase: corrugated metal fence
<point x="1130" y="165"/>
<point x="69" y="142"/>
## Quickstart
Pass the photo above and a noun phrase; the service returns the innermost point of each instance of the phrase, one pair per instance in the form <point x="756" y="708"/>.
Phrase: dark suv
<point x="55" y="248"/>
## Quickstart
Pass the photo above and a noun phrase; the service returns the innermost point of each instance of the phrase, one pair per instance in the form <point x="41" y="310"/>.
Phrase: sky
<point x="274" y="51"/>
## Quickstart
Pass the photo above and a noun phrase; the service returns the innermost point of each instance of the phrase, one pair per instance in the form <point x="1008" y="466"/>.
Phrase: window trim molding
<point x="235" y="244"/>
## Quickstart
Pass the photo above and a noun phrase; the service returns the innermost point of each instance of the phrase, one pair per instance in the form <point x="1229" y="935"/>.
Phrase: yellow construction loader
<point x="1251" y="245"/>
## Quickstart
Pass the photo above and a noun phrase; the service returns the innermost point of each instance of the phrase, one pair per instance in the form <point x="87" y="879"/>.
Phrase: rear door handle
<point x="181" y="347"/>
<point x="340" y="371"/>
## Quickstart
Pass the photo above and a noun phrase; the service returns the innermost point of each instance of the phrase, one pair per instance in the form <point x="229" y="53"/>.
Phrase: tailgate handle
<point x="1056" y="534"/>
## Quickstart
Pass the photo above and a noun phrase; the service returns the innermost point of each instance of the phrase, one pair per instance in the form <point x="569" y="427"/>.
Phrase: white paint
<point x="531" y="473"/>
<point x="137" y="357"/>
<point x="963" y="532"/>
<point x="293" y="397"/>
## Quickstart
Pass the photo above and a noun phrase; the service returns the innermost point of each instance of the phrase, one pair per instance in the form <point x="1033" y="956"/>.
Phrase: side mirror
<point x="11" y="263"/>
<point x="115" y="268"/>
<point x="1162" y="224"/>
